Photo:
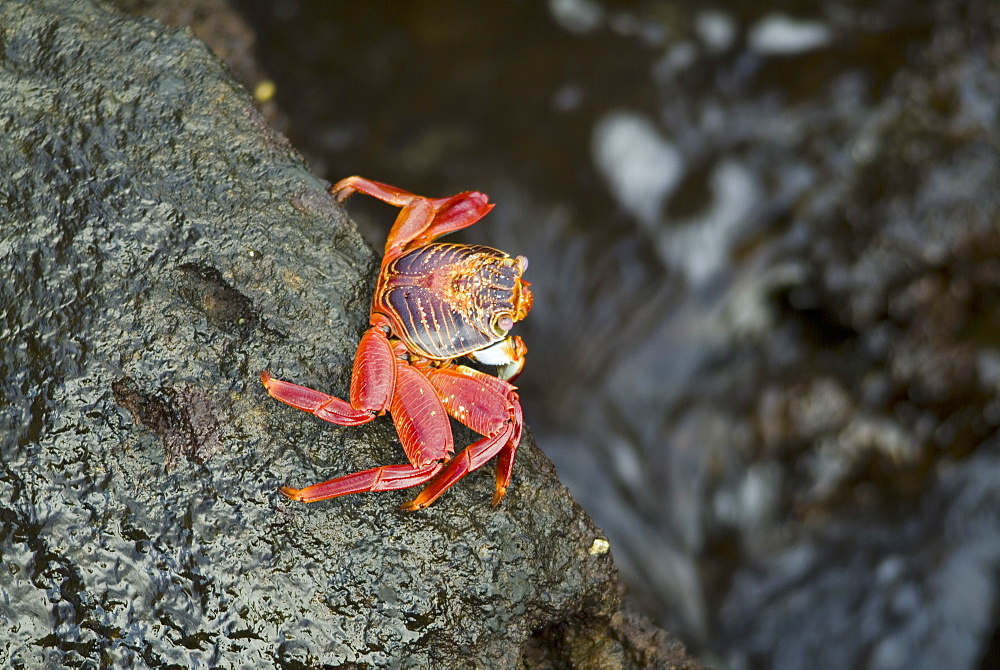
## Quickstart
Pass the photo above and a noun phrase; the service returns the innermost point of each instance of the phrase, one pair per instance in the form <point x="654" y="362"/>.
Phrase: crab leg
<point x="450" y="214"/>
<point x="385" y="478"/>
<point x="421" y="418"/>
<point x="488" y="406"/>
<point x="372" y="382"/>
<point x="317" y="403"/>
<point x="423" y="428"/>
<point x="505" y="461"/>
<point x="381" y="382"/>
<point x="392" y="195"/>
<point x="472" y="458"/>
<point x="422" y="220"/>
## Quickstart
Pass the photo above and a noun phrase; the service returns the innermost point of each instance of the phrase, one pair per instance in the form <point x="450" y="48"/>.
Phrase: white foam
<point x="641" y="167"/>
<point x="778" y="34"/>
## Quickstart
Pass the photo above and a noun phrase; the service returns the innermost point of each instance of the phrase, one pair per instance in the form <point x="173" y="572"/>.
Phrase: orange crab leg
<point x="381" y="382"/>
<point x="422" y="220"/>
<point x="385" y="478"/>
<point x="317" y="403"/>
<point x="423" y="428"/>
<point x="372" y="382"/>
<point x="488" y="406"/>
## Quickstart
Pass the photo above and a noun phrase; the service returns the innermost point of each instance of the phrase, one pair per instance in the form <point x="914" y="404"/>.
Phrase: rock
<point x="890" y="512"/>
<point x="226" y="33"/>
<point x="163" y="246"/>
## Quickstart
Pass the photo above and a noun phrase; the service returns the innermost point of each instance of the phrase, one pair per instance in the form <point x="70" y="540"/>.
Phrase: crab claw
<point x="507" y="356"/>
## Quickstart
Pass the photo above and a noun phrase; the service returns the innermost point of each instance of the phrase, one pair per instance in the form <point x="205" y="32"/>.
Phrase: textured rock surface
<point x="163" y="246"/>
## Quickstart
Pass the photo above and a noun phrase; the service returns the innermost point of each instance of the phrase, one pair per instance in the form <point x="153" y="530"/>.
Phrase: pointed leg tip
<point x="498" y="497"/>
<point x="412" y="506"/>
<point x="341" y="191"/>
<point x="265" y="377"/>
<point x="290" y="493"/>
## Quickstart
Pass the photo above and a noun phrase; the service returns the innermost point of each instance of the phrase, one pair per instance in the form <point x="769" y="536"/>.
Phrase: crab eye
<point x="501" y="324"/>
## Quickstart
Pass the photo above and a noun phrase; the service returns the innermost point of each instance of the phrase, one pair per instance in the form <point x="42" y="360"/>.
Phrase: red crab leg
<point x="373" y="376"/>
<point x="372" y="381"/>
<point x="472" y="458"/>
<point x="385" y="478"/>
<point x="423" y="428"/>
<point x="381" y="381"/>
<point x="421" y="418"/>
<point x="422" y="220"/>
<point x="346" y="187"/>
<point x="450" y="214"/>
<point x="317" y="403"/>
<point x="488" y="406"/>
<point x="505" y="461"/>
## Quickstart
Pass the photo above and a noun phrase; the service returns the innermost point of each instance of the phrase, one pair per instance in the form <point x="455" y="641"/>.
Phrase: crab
<point x="434" y="304"/>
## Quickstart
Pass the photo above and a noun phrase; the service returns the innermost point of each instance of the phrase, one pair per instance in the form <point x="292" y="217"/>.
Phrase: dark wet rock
<point x="162" y="247"/>
<point x="630" y="641"/>
<point x="204" y="287"/>
<point x="184" y="419"/>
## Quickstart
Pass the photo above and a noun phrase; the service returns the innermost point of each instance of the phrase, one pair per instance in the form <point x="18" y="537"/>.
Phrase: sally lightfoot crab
<point x="434" y="303"/>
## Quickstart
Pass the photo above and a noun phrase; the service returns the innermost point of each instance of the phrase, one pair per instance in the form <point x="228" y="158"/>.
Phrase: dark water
<point x="703" y="191"/>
